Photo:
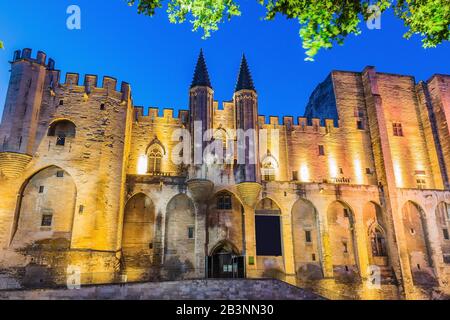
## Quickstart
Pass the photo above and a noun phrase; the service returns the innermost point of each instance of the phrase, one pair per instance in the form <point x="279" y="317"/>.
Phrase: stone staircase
<point x="211" y="289"/>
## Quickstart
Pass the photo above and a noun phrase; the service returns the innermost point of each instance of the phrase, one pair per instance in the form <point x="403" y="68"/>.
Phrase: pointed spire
<point x="201" y="76"/>
<point x="245" y="81"/>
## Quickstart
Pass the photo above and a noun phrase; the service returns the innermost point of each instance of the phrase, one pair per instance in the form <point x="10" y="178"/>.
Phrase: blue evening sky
<point x="158" y="58"/>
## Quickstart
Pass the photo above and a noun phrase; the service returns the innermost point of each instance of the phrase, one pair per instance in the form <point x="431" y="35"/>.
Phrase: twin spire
<point x="201" y="76"/>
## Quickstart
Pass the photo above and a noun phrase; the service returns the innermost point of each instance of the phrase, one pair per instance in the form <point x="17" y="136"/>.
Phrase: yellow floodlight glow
<point x="304" y="173"/>
<point x="358" y="171"/>
<point x="142" y="165"/>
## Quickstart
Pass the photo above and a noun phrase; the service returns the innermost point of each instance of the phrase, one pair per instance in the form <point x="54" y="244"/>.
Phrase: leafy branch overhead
<point x="322" y="22"/>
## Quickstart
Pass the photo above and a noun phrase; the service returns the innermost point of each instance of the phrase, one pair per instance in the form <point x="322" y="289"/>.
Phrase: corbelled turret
<point x="246" y="106"/>
<point x="245" y="81"/>
<point x="201" y="76"/>
<point x="201" y="110"/>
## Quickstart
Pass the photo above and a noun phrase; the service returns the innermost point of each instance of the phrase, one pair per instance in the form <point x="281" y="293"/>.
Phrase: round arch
<point x="138" y="223"/>
<point x="62" y="126"/>
<point x="45" y="207"/>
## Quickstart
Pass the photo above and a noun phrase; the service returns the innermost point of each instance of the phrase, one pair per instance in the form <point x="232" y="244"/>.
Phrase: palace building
<point x="352" y="197"/>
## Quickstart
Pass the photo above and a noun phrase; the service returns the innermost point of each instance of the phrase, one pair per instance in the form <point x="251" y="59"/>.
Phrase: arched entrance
<point x="443" y="223"/>
<point x="46" y="207"/>
<point x="225" y="261"/>
<point x="306" y="238"/>
<point x="341" y="228"/>
<point x="418" y="245"/>
<point x="179" y="238"/>
<point x="376" y="230"/>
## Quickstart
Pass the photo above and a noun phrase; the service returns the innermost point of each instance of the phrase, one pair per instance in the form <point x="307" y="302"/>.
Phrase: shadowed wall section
<point x="306" y="240"/>
<point x="179" y="251"/>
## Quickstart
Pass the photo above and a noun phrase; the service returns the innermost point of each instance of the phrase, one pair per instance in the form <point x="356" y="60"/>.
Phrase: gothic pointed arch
<point x="443" y="224"/>
<point x="155" y="152"/>
<point x="225" y="219"/>
<point x="418" y="245"/>
<point x="306" y="240"/>
<point x="269" y="166"/>
<point x="343" y="246"/>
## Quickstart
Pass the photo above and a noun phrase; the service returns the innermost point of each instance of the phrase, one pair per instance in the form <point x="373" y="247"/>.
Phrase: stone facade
<point x="357" y="189"/>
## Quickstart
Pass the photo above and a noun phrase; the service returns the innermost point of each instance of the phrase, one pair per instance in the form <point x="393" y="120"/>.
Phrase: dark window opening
<point x="368" y="171"/>
<point x="41" y="189"/>
<point x="397" y="129"/>
<point x="294" y="175"/>
<point x="321" y="150"/>
<point x="360" y="125"/>
<point x="60" y="173"/>
<point x="341" y="171"/>
<point x="46" y="220"/>
<point x="102" y="106"/>
<point x="421" y="183"/>
<point x="268" y="235"/>
<point x="345" y="247"/>
<point x="313" y="256"/>
<point x="378" y="244"/>
<point x="61" y="140"/>
<point x="308" y="236"/>
<point x="224" y="202"/>
<point x="81" y="209"/>
<point x="190" y="232"/>
<point x="61" y="102"/>
<point x="445" y="232"/>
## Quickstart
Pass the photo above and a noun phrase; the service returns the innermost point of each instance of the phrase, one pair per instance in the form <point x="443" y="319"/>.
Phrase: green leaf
<point x="323" y="23"/>
<point x="1" y="45"/>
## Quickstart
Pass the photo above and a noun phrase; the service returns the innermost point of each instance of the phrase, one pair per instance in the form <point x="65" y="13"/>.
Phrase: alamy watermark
<point x="73" y="21"/>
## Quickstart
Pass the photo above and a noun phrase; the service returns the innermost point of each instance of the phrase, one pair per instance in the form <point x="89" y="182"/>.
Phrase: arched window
<point x="268" y="171"/>
<point x="268" y="167"/>
<point x="62" y="129"/>
<point x="378" y="243"/>
<point x="224" y="201"/>
<point x="154" y="159"/>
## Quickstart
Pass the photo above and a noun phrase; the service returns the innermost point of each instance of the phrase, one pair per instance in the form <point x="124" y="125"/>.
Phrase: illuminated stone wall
<point x="107" y="235"/>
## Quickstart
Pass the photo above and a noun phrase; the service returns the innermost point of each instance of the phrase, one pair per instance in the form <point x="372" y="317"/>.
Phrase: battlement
<point x="301" y="123"/>
<point x="90" y="83"/>
<point x="154" y="115"/>
<point x="72" y="79"/>
<point x="41" y="58"/>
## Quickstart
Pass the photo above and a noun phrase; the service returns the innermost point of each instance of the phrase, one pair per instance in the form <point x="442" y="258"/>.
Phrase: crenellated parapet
<point x="91" y="86"/>
<point x="155" y="116"/>
<point x="299" y="124"/>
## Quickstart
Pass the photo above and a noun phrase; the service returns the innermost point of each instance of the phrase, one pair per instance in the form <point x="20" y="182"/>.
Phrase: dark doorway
<point x="268" y="235"/>
<point x="224" y="262"/>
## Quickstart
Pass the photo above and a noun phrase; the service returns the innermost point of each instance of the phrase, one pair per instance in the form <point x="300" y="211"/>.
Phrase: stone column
<point x="324" y="245"/>
<point x="249" y="192"/>
<point x="361" y="246"/>
<point x="288" y="248"/>
<point x="200" y="190"/>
